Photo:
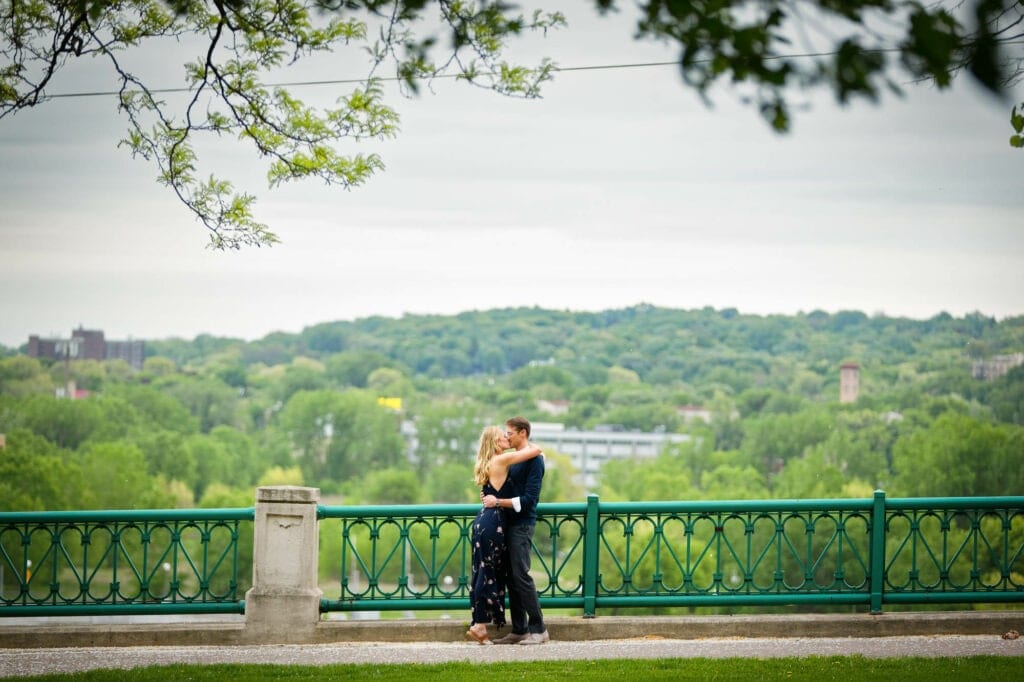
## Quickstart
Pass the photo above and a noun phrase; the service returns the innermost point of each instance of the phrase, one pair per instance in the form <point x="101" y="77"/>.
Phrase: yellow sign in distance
<point x="391" y="403"/>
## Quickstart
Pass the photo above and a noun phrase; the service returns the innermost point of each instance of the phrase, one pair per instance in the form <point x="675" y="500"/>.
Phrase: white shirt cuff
<point x="516" y="504"/>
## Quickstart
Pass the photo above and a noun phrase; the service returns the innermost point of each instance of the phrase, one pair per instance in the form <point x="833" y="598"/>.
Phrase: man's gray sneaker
<point x="536" y="638"/>
<point x="511" y="638"/>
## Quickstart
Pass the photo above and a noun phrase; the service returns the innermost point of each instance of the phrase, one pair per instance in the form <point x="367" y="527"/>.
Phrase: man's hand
<point x="489" y="501"/>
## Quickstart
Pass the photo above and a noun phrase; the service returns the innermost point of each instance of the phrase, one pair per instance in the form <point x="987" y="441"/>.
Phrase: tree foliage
<point x="1017" y="123"/>
<point x="234" y="50"/>
<point x="186" y="432"/>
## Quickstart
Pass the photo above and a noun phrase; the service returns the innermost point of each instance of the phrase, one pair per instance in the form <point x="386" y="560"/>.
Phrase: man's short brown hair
<point x="519" y="424"/>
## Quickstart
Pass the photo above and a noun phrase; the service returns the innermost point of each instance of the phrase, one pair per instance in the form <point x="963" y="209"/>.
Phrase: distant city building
<point x="87" y="344"/>
<point x="996" y="366"/>
<point x="71" y="391"/>
<point x="132" y="352"/>
<point x="588" y="450"/>
<point x="849" y="382"/>
<point x="694" y="413"/>
<point x="688" y="413"/>
<point x="555" y="407"/>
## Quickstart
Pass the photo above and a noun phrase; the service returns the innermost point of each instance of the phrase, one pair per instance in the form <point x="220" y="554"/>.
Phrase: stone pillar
<point x="283" y="605"/>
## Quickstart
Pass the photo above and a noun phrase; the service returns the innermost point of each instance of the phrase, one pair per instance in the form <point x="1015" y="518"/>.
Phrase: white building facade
<point x="588" y="450"/>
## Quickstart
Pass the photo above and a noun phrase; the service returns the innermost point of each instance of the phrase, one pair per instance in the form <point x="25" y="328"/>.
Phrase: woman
<point x="487" y="586"/>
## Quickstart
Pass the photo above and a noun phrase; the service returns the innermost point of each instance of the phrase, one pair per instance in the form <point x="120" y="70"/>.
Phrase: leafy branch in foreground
<point x="854" y="47"/>
<point x="1017" y="121"/>
<point x="763" y="48"/>
<point x="238" y="45"/>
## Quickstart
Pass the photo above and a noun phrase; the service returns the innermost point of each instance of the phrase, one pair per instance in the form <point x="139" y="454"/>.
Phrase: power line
<point x="349" y="81"/>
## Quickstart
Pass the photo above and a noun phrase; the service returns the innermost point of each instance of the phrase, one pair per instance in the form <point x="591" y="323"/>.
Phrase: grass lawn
<point x="817" y="669"/>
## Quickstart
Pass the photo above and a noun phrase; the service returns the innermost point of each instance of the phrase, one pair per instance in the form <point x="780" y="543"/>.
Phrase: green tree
<point x="326" y="338"/>
<point x="621" y="375"/>
<point x="755" y="401"/>
<point x="773" y="440"/>
<point x="247" y="461"/>
<point x="117" y="371"/>
<point x="87" y="375"/>
<point x="534" y="375"/>
<point x="959" y="456"/>
<point x="447" y="433"/>
<point x="155" y="406"/>
<point x="212" y="462"/>
<point x="65" y="423"/>
<point x="1006" y="397"/>
<point x="389" y="382"/>
<point x="862" y="443"/>
<point x="157" y="366"/>
<point x="114" y="476"/>
<point x="21" y="376"/>
<point x="166" y="454"/>
<point x="208" y="399"/>
<point x="303" y="374"/>
<point x="353" y="368"/>
<point x="281" y="476"/>
<point x="389" y="486"/>
<point x="662" y="478"/>
<point x="339" y="436"/>
<point x="693" y="456"/>
<point x="812" y="476"/>
<point x="35" y="475"/>
<point x="220" y="496"/>
<point x="234" y="375"/>
<point x="307" y="419"/>
<point x="452" y="483"/>
<point x="561" y="479"/>
<point x="733" y="482"/>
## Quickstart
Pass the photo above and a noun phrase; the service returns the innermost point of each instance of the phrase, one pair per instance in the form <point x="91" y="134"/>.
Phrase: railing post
<point x="877" y="551"/>
<point x="283" y="605"/>
<point x="591" y="542"/>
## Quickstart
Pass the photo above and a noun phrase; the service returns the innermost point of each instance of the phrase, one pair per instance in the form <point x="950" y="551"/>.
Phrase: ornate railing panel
<point x="405" y="557"/>
<point x="736" y="552"/>
<point x="942" y="550"/>
<point x="109" y="562"/>
<point x="586" y="555"/>
<point x="401" y="557"/>
<point x="724" y="553"/>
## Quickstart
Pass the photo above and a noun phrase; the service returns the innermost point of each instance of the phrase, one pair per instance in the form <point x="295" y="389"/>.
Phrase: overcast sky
<point x="618" y="187"/>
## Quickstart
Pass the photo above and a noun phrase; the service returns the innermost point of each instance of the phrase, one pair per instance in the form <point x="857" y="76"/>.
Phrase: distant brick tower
<point x="849" y="382"/>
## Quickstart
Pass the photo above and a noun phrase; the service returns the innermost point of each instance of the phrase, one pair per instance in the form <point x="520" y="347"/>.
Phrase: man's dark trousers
<point x="522" y="594"/>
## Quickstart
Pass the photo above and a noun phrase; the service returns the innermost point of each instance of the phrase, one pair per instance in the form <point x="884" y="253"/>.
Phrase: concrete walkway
<point x="57" y="646"/>
<point x="23" y="662"/>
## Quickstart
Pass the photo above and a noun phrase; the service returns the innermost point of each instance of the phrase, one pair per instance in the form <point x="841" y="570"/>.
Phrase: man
<point x="521" y="517"/>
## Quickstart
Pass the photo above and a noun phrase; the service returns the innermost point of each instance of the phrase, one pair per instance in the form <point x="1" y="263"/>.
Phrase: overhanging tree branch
<point x="860" y="46"/>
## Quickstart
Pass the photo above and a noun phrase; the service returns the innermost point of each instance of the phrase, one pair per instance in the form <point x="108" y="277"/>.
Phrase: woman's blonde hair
<point x="488" y="446"/>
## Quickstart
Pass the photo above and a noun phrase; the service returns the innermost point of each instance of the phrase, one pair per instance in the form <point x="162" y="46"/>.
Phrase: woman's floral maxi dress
<point x="490" y="556"/>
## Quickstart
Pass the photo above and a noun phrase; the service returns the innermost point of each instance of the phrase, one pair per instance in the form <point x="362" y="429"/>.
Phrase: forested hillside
<point x="209" y="419"/>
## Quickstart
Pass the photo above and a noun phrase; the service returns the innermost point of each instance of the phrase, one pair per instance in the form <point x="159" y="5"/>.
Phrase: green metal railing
<point x="727" y="553"/>
<point x="122" y="562"/>
<point x="954" y="550"/>
<point x="590" y="555"/>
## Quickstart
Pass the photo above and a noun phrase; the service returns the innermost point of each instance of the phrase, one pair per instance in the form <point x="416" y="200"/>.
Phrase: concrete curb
<point x="566" y="629"/>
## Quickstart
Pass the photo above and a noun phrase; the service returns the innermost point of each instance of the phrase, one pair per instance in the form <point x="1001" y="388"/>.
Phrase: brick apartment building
<point x="87" y="344"/>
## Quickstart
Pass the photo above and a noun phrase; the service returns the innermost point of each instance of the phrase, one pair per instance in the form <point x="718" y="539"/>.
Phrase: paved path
<point x="22" y="662"/>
